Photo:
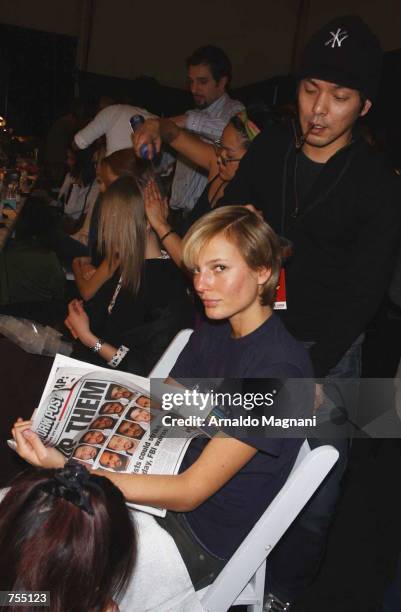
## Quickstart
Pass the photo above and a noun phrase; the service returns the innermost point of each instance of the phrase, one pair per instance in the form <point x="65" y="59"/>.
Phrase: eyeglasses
<point x="218" y="147"/>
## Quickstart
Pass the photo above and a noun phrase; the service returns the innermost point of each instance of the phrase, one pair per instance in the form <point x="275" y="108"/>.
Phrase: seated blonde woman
<point x="225" y="482"/>
<point x="143" y="304"/>
<point x="92" y="271"/>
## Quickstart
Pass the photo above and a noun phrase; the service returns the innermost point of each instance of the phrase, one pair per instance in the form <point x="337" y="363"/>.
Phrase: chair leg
<point x="258" y="583"/>
<point x="255" y="607"/>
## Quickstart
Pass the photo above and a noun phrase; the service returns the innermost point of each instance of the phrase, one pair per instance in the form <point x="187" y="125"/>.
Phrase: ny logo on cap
<point x="336" y="38"/>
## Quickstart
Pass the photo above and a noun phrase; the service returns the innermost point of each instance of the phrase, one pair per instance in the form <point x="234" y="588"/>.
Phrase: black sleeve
<point x="259" y="176"/>
<point x="370" y="271"/>
<point x="240" y="189"/>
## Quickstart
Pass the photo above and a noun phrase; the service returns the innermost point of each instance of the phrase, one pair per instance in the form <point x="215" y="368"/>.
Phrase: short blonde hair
<point x="255" y="239"/>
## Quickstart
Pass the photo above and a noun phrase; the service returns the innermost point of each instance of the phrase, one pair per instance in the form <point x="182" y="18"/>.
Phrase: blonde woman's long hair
<point x="122" y="230"/>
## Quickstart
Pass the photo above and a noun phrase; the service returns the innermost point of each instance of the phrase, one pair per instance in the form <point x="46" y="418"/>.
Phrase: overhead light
<point x="3" y="122"/>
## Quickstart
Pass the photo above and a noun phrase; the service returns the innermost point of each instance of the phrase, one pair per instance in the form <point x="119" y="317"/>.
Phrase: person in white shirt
<point x="114" y="123"/>
<point x="209" y="75"/>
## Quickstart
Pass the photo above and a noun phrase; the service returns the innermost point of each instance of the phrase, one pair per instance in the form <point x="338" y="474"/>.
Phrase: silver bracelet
<point x="118" y="357"/>
<point x="96" y="348"/>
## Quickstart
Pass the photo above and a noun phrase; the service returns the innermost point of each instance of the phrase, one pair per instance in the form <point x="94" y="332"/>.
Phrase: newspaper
<point x="102" y="417"/>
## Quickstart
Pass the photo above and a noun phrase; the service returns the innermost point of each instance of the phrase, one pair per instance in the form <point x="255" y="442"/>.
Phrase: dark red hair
<point x="49" y="544"/>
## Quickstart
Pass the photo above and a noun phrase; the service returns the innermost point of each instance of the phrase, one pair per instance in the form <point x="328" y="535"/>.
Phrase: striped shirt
<point x="190" y="180"/>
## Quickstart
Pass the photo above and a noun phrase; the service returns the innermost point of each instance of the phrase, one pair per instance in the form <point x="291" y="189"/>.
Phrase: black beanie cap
<point x="345" y="52"/>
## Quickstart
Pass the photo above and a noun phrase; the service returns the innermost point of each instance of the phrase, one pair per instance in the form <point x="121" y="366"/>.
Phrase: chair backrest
<point x="303" y="452"/>
<point x="166" y="362"/>
<point x="308" y="472"/>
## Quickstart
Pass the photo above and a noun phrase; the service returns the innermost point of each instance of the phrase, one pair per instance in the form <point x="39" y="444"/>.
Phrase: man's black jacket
<point x="344" y="236"/>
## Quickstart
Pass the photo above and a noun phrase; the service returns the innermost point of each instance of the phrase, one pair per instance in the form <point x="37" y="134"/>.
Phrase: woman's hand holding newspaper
<point x="31" y="448"/>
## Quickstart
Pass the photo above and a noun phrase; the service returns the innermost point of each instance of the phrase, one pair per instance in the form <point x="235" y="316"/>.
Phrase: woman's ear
<point x="263" y="274"/>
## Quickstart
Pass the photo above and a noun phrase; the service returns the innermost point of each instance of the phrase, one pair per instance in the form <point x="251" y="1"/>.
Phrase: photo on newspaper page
<point x="102" y="417"/>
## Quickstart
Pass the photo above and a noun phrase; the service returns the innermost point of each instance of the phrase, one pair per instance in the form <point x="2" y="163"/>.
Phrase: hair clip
<point x="70" y="483"/>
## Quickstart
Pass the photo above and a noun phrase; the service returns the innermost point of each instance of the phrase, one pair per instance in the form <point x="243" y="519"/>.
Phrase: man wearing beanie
<point x="338" y="203"/>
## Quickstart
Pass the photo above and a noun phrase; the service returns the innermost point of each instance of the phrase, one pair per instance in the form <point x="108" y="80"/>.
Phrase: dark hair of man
<point x="83" y="168"/>
<point x="86" y="167"/>
<point x="215" y="58"/>
<point x="49" y="544"/>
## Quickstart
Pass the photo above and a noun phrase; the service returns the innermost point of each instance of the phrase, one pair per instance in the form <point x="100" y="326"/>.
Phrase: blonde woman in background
<point x="139" y="310"/>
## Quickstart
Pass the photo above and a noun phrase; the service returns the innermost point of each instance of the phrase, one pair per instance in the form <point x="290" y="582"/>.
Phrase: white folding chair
<point x="166" y="362"/>
<point x="242" y="581"/>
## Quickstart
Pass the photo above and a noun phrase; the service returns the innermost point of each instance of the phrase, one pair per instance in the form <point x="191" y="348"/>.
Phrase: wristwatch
<point x="96" y="347"/>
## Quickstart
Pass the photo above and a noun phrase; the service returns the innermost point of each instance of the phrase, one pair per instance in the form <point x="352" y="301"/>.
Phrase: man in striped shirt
<point x="209" y="74"/>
